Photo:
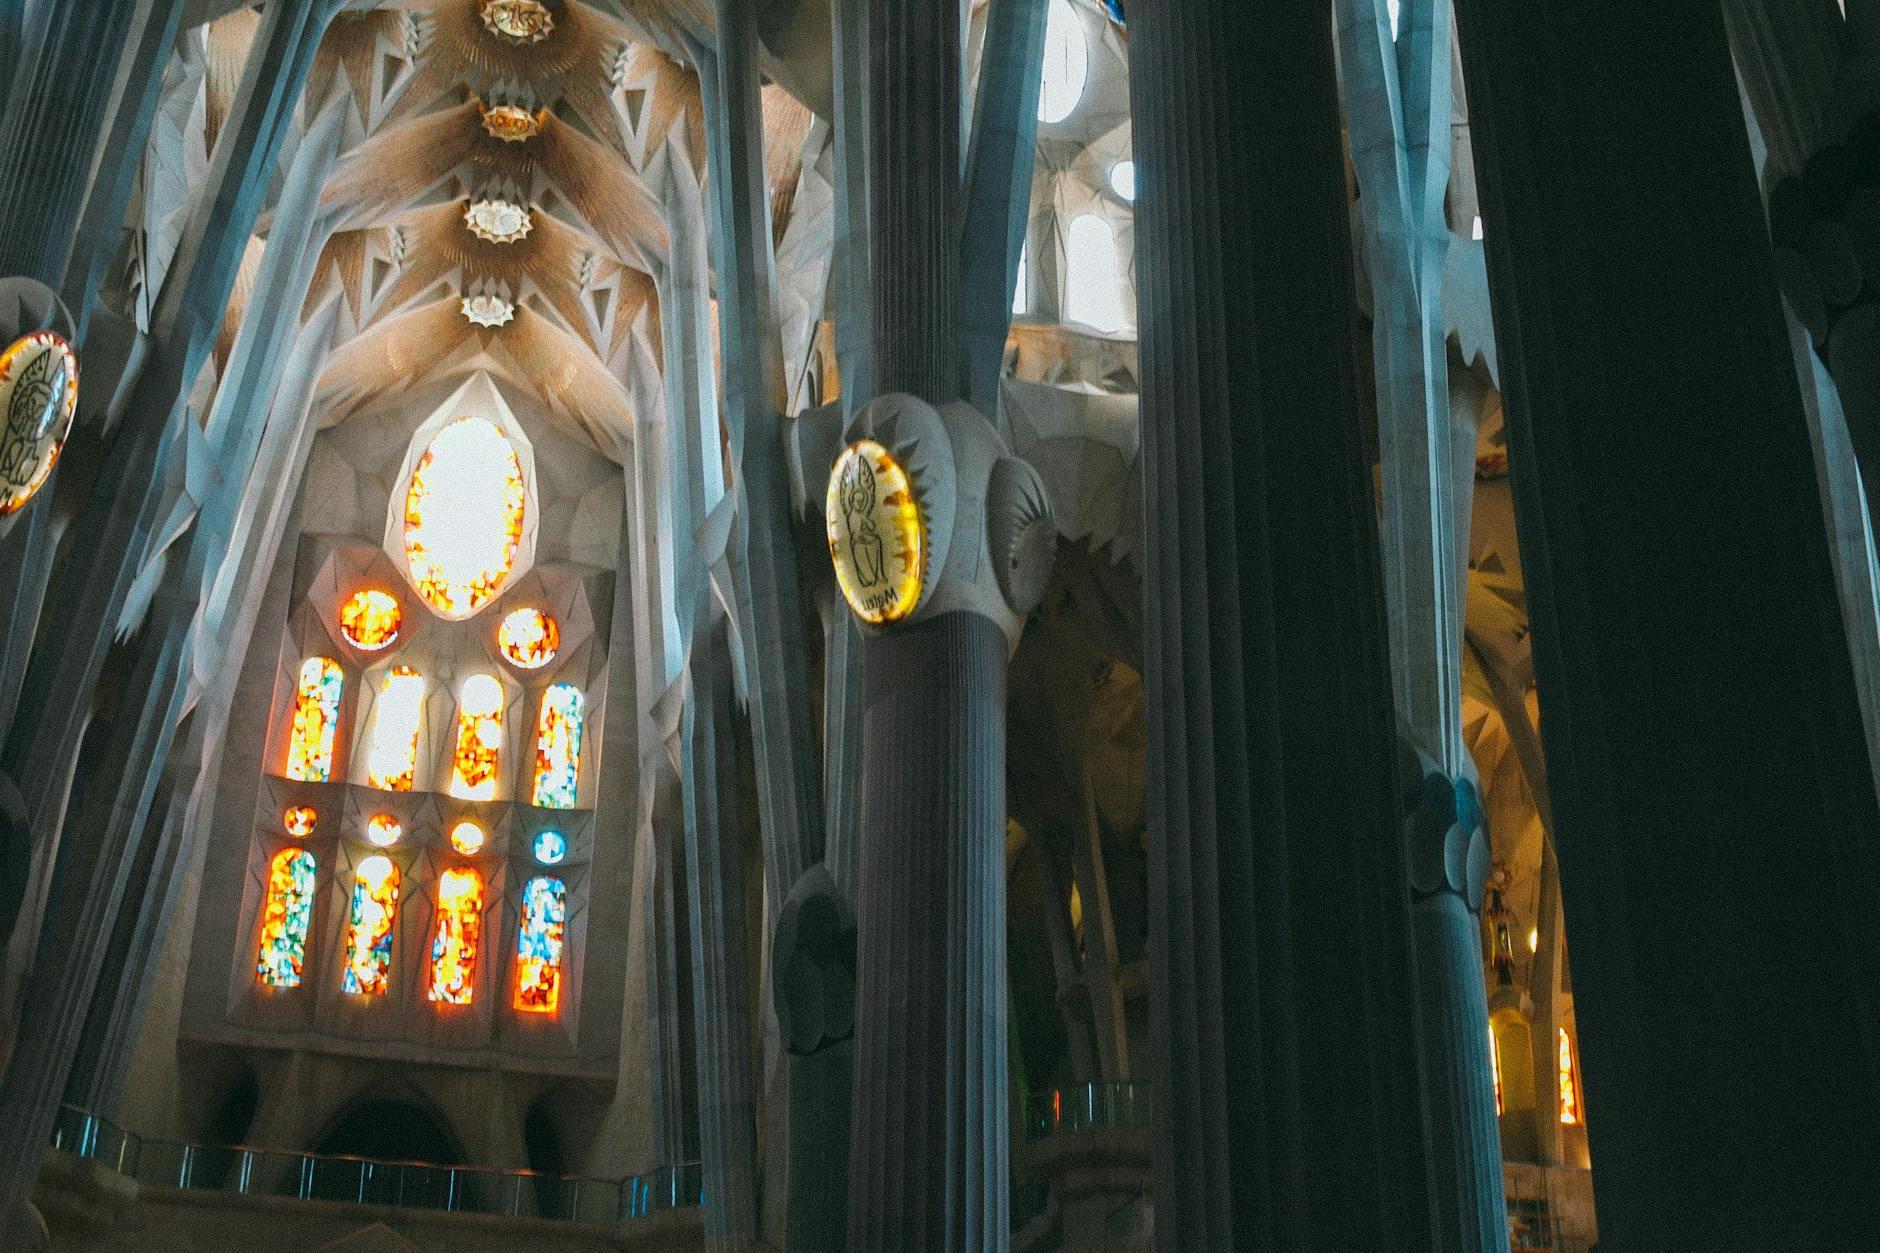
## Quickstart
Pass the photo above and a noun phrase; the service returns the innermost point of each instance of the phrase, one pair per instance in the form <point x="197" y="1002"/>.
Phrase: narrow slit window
<point x="285" y="918"/>
<point x="1569" y="1085"/>
<point x="539" y="945"/>
<point x="369" y="927"/>
<point x="316" y="720"/>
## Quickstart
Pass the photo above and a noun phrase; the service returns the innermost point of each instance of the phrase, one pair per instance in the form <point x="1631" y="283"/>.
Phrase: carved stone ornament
<point x="877" y="535"/>
<point x="518" y="21"/>
<point x="1021" y="534"/>
<point x="38" y="397"/>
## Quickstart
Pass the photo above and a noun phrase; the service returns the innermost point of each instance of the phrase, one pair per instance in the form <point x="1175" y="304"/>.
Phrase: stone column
<point x="1398" y="88"/>
<point x="929" y="1153"/>
<point x="1718" y="835"/>
<point x="1288" y="1115"/>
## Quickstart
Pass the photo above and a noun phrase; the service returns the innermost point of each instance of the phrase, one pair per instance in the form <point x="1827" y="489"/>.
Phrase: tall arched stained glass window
<point x="369" y="927"/>
<point x="479" y="739"/>
<point x="456" y="936"/>
<point x="539" y="945"/>
<point x="285" y="916"/>
<point x="316" y="720"/>
<point x="558" y="747"/>
<point x="392" y="759"/>
<point x="1093" y="285"/>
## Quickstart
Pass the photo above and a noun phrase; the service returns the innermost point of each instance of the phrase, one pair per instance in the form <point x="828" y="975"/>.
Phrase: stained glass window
<point x="1494" y="1063"/>
<point x="558" y="747"/>
<point x="529" y="638"/>
<point x="383" y="830"/>
<point x="467" y="838"/>
<point x="316" y="720"/>
<point x="392" y="759"/>
<point x="370" y="619"/>
<point x="464" y="514"/>
<point x="299" y="820"/>
<point x="539" y="945"/>
<point x="479" y="739"/>
<point x="1569" y="1089"/>
<point x="369" y="927"/>
<point x="285" y="917"/>
<point x="456" y="936"/>
<point x="550" y="847"/>
<point x="1093" y="287"/>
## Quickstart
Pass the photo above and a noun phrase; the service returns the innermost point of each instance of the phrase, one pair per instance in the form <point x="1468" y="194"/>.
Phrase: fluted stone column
<point x="1717" y="829"/>
<point x="929" y="1155"/>
<point x="1287" y="1107"/>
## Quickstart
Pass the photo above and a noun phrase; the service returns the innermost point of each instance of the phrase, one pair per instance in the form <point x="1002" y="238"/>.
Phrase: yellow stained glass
<point x="299" y="820"/>
<point x="464" y="516"/>
<point x="456" y="936"/>
<point x="479" y="739"/>
<point x="1494" y="1063"/>
<point x="467" y="838"/>
<point x="316" y="720"/>
<point x="529" y="638"/>
<point x="383" y="830"/>
<point x="370" y="619"/>
<point x="392" y="759"/>
<point x="369" y="927"/>
<point x="1569" y="1089"/>
<point x="285" y="917"/>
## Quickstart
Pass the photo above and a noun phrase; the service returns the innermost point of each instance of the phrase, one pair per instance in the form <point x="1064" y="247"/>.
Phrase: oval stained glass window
<point x="467" y="838"/>
<point x="464" y="514"/>
<point x="38" y="398"/>
<point x="529" y="638"/>
<point x="370" y="619"/>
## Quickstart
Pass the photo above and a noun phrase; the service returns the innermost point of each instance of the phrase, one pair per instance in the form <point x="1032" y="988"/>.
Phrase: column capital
<point x="1448" y="840"/>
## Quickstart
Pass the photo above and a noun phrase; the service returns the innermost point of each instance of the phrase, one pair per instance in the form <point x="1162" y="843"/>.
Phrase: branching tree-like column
<point x="1717" y="830"/>
<point x="1288" y="1116"/>
<point x="941" y="542"/>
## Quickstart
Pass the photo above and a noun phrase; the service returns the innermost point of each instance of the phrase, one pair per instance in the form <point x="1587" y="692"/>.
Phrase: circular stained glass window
<point x="299" y="820"/>
<point x="529" y="638"/>
<point x="370" y="619"/>
<point x="467" y="838"/>
<point x="383" y="830"/>
<point x="550" y="847"/>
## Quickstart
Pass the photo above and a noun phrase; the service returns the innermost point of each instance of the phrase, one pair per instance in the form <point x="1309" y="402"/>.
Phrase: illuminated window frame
<point x="370" y="925"/>
<point x="476" y="758"/>
<point x="558" y="730"/>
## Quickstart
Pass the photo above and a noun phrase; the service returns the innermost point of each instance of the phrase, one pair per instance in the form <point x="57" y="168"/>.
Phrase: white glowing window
<point x="1123" y="179"/>
<point x="464" y="515"/>
<point x="1396" y="17"/>
<point x="1066" y="63"/>
<point x="1020" y="305"/>
<point x="1093" y="287"/>
<point x="392" y="757"/>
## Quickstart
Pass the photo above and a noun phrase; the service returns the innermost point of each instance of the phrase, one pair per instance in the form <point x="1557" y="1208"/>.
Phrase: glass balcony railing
<point x="411" y="1185"/>
<point x="1092" y="1107"/>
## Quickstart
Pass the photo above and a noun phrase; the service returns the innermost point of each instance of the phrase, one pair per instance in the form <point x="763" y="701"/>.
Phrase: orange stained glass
<point x="369" y="927"/>
<point x="370" y="619"/>
<point x="456" y="936"/>
<point x="464" y="516"/>
<point x="529" y="638"/>
<point x="299" y="820"/>
<point x="539" y="944"/>
<point x="558" y="748"/>
<point x="392" y="759"/>
<point x="285" y="917"/>
<point x="467" y="838"/>
<point x="479" y="739"/>
<point x="316" y="720"/>
<point x="1569" y="1089"/>
<point x="383" y="830"/>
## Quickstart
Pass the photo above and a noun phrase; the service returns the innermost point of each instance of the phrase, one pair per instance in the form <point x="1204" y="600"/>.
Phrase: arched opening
<point x="382" y="1130"/>
<point x="1093" y="288"/>
<point x="541" y="1142"/>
